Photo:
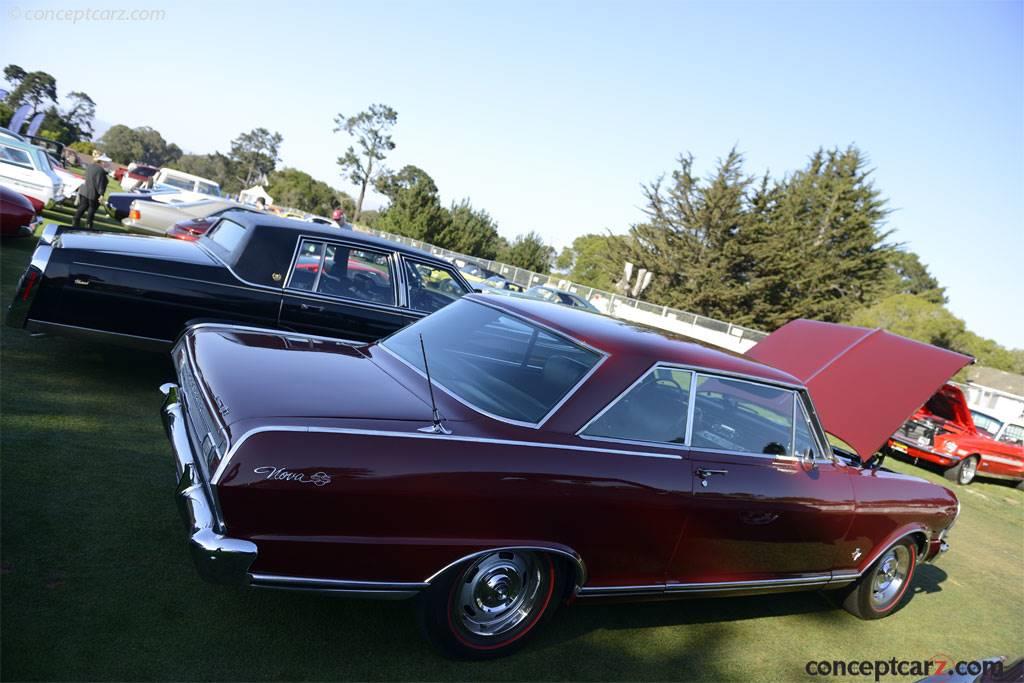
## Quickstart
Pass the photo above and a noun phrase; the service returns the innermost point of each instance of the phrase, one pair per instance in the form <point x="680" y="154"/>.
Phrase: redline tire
<point x="488" y="607"/>
<point x="884" y="587"/>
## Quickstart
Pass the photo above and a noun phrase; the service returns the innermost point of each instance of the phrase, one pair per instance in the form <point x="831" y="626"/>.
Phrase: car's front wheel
<point x="879" y="592"/>
<point x="487" y="607"/>
<point x="963" y="472"/>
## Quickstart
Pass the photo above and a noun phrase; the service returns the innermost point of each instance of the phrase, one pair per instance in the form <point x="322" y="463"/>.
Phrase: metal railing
<point x="719" y="332"/>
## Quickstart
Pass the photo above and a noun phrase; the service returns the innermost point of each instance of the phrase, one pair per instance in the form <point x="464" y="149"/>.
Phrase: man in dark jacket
<point x="90" y="193"/>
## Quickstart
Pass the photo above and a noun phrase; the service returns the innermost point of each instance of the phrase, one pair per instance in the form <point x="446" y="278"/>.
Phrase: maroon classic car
<point x="503" y="456"/>
<point x="17" y="214"/>
<point x="943" y="432"/>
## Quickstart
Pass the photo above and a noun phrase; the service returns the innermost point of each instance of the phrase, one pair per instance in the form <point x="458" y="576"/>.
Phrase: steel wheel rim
<point x="890" y="577"/>
<point x="968" y="470"/>
<point x="498" y="593"/>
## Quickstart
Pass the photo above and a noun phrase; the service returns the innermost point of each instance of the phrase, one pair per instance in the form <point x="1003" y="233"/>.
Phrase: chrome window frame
<point x="396" y="282"/>
<point x="602" y="357"/>
<point x="797" y="392"/>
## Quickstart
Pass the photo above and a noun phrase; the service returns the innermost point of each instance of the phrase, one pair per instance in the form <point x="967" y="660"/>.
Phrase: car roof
<point x="254" y="219"/>
<point x="621" y="337"/>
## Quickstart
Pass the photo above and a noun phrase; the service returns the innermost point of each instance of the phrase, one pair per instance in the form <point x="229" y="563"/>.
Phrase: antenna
<point x="436" y="427"/>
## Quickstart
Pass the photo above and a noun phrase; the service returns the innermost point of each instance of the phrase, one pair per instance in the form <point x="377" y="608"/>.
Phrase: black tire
<point x="453" y="612"/>
<point x="877" y="594"/>
<point x="964" y="471"/>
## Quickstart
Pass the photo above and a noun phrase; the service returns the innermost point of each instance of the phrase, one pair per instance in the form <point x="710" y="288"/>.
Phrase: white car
<point x="191" y="187"/>
<point x="157" y="216"/>
<point x="71" y="181"/>
<point x="26" y="169"/>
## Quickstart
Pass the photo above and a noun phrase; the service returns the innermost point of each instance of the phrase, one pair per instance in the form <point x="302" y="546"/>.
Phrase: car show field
<point x="97" y="582"/>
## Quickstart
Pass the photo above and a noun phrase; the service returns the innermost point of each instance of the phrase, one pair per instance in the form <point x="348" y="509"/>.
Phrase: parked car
<point x="70" y="180"/>
<point x="138" y="177"/>
<point x="156" y="216"/>
<point x="26" y="169"/>
<point x="472" y="271"/>
<point x="498" y="282"/>
<point x="503" y="456"/>
<point x="1007" y="432"/>
<point x="557" y="296"/>
<point x="17" y="215"/>
<point x="192" y="229"/>
<point x="119" y="204"/>
<point x="249" y="268"/>
<point x="192" y="187"/>
<point x="943" y="432"/>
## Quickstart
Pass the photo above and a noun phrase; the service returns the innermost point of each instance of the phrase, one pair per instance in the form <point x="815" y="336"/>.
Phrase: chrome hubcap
<point x="498" y="593"/>
<point x="890" y="576"/>
<point x="968" y="470"/>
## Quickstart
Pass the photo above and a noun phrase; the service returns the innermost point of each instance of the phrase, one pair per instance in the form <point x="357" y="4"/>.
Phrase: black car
<point x="250" y="268"/>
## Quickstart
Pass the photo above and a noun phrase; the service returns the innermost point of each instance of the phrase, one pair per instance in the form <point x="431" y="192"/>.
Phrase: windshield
<point x="501" y="365"/>
<point x="986" y="423"/>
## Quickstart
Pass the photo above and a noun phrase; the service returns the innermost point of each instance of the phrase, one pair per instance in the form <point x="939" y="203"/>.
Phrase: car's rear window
<point x="500" y="364"/>
<point x="179" y="183"/>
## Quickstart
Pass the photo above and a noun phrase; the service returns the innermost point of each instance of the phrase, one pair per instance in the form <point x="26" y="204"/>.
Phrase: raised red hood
<point x="865" y="383"/>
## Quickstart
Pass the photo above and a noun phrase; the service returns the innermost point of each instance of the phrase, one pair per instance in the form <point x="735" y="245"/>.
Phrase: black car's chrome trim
<point x="92" y="334"/>
<point x="222" y="467"/>
<point x="380" y="590"/>
<point x="804" y="581"/>
<point x="50" y="233"/>
<point x="21" y="306"/>
<point x="578" y="564"/>
<point x="218" y="558"/>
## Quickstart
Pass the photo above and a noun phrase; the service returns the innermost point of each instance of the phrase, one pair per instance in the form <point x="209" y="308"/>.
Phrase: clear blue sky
<point x="550" y="115"/>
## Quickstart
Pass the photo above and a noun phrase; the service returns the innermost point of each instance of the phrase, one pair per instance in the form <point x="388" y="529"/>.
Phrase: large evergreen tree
<point x="415" y="209"/>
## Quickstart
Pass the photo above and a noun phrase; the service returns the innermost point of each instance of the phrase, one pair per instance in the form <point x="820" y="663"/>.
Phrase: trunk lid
<point x="865" y="383"/>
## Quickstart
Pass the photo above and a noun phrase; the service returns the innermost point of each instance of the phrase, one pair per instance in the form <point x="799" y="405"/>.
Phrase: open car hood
<point x="865" y="383"/>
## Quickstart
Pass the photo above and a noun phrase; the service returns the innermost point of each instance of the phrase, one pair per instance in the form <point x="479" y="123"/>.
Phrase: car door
<point x="341" y="289"/>
<point x="767" y="503"/>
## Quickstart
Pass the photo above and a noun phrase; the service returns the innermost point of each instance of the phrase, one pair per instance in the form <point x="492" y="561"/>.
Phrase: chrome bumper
<point x="218" y="558"/>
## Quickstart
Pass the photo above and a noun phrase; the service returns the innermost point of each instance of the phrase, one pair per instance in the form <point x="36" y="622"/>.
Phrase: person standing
<point x="90" y="193"/>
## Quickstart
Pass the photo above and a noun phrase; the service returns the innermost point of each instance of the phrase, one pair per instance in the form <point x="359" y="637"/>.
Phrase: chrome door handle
<point x="307" y="307"/>
<point x="704" y="474"/>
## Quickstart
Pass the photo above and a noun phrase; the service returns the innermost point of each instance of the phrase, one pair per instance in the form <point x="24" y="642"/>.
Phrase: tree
<point x="690" y="240"/>
<point x="912" y="316"/>
<point x="81" y="115"/>
<point x="470" y="231"/>
<point x="143" y="144"/>
<point x="255" y="155"/>
<point x="593" y="260"/>
<point x="14" y="74"/>
<point x="907" y="275"/>
<point x="372" y="131"/>
<point x="415" y="209"/>
<point x="35" y="88"/>
<point x="530" y="252"/>
<point x="295" y="188"/>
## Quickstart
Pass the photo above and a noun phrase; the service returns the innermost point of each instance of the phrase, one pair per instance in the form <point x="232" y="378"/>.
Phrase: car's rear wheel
<point x="963" y="472"/>
<point x="882" y="588"/>
<point x="487" y="607"/>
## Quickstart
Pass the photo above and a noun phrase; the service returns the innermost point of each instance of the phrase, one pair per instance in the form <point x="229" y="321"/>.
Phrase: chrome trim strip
<point x="581" y="567"/>
<point x="174" y="277"/>
<point x="225" y="461"/>
<point x="131" y="340"/>
<point x="711" y="586"/>
<point x="519" y="423"/>
<point x="303" y="581"/>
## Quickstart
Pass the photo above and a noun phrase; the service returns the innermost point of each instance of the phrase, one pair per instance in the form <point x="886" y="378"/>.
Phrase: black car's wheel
<point x="963" y="472"/>
<point x="487" y="607"/>
<point x="882" y="588"/>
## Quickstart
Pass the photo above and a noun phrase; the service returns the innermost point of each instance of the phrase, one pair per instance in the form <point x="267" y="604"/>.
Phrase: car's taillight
<point x="30" y="281"/>
<point x="134" y="214"/>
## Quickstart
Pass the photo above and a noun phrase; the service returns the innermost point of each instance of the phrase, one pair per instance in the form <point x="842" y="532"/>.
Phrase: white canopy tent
<point x="253" y="193"/>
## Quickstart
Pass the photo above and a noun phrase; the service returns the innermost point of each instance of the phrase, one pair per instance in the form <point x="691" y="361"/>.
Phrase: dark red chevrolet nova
<point x="569" y="456"/>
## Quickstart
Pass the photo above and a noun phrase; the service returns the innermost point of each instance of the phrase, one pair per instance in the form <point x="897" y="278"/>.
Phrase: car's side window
<point x="308" y="263"/>
<point x="227" y="234"/>
<point x="357" y="274"/>
<point x="431" y="287"/>
<point x="653" y="409"/>
<point x="742" y="416"/>
<point x="804" y="444"/>
<point x="1013" y="434"/>
<point x="14" y="156"/>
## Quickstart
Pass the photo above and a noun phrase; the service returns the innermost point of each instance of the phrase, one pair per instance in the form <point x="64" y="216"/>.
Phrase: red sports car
<point x="17" y="214"/>
<point x="501" y="457"/>
<point x="943" y="432"/>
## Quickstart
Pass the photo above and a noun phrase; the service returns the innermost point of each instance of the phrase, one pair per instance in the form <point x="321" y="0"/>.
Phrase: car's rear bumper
<point x="218" y="558"/>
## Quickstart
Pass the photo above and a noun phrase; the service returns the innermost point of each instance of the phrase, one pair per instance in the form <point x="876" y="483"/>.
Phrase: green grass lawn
<point x="97" y="584"/>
